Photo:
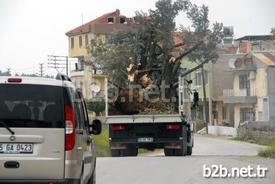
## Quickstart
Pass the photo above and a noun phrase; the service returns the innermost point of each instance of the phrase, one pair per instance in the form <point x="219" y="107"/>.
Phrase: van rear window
<point x="36" y="106"/>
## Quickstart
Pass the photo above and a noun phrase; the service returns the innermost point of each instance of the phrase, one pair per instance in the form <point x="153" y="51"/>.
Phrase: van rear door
<point x="32" y="131"/>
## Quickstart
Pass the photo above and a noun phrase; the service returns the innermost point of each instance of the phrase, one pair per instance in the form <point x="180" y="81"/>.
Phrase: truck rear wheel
<point x="189" y="150"/>
<point x="131" y="150"/>
<point x="115" y="152"/>
<point x="169" y="152"/>
<point x="183" y="150"/>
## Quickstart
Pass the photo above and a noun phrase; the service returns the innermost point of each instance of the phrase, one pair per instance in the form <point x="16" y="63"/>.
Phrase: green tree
<point x="150" y="44"/>
<point x="273" y="32"/>
<point x="206" y="51"/>
<point x="115" y="55"/>
<point x="6" y="73"/>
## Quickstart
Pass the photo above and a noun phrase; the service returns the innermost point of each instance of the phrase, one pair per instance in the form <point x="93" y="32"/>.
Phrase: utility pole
<point x="204" y="99"/>
<point x="9" y="71"/>
<point x="210" y="94"/>
<point x="41" y="70"/>
<point x="67" y="65"/>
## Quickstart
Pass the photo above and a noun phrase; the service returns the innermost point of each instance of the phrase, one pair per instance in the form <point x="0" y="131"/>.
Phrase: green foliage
<point x="273" y="32"/>
<point x="149" y="43"/>
<point x="7" y="73"/>
<point x="115" y="55"/>
<point x="102" y="143"/>
<point x="256" y="140"/>
<point x="268" y="152"/>
<point x="96" y="106"/>
<point x="211" y="37"/>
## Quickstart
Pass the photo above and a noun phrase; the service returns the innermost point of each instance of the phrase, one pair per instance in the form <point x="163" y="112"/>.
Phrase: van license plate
<point x="6" y="148"/>
<point x="145" y="139"/>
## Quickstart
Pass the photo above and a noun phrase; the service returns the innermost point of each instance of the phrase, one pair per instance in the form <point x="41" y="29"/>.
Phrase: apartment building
<point x="87" y="75"/>
<point x="253" y="89"/>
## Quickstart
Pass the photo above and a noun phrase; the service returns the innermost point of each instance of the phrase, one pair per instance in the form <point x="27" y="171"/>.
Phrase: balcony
<point x="241" y="96"/>
<point x="77" y="73"/>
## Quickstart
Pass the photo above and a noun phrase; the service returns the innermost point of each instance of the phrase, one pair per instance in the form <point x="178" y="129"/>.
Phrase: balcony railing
<point x="239" y="96"/>
<point x="238" y="92"/>
<point x="76" y="73"/>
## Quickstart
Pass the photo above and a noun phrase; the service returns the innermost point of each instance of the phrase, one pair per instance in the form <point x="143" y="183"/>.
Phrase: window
<point x="80" y="116"/>
<point x="86" y="40"/>
<point x="247" y="114"/>
<point x="122" y="20"/>
<point x="110" y="20"/>
<point x="80" y="41"/>
<point x="243" y="81"/>
<point x="72" y="43"/>
<point x="82" y="64"/>
<point x="34" y="106"/>
<point x="224" y="113"/>
<point x="198" y="77"/>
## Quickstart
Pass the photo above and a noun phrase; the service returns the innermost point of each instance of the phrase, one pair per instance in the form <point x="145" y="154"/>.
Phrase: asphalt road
<point x="157" y="169"/>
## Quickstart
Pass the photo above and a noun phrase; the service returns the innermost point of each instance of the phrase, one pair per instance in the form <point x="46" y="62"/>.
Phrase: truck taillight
<point x="173" y="126"/>
<point x="70" y="128"/>
<point x="118" y="127"/>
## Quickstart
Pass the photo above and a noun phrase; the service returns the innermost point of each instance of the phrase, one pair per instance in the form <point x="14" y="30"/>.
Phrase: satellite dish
<point x="95" y="88"/>
<point x="99" y="72"/>
<point x="231" y="63"/>
<point x="238" y="62"/>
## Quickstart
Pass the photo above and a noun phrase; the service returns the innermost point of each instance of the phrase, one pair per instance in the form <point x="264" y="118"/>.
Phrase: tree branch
<point x="195" y="68"/>
<point x="189" y="51"/>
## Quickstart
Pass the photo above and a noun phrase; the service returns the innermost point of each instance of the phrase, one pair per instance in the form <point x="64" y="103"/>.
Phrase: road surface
<point x="157" y="169"/>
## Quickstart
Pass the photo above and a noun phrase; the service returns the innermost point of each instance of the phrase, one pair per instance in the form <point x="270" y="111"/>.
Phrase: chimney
<point x="117" y="11"/>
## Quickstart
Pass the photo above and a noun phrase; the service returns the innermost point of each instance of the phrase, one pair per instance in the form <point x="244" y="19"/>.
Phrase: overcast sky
<point x="32" y="29"/>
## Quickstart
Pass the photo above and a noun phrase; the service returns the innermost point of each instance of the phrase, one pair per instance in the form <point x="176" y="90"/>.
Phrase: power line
<point x="59" y="62"/>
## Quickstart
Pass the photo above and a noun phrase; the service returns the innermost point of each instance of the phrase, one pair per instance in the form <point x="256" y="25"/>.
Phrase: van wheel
<point x="92" y="179"/>
<point x="115" y="152"/>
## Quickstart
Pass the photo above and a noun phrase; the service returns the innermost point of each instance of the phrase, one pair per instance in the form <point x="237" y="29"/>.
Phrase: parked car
<point x="45" y="134"/>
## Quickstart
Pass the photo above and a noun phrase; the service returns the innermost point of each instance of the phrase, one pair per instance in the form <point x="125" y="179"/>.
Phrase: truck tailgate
<point x="143" y="119"/>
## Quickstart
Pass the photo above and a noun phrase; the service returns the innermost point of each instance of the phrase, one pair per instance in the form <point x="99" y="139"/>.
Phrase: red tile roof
<point x="100" y="25"/>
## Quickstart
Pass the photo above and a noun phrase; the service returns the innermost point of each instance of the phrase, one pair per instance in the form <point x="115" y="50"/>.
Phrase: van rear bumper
<point x="67" y="181"/>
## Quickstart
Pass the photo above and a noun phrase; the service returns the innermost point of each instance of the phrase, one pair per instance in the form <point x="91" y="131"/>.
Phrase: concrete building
<point x="253" y="92"/>
<point x="87" y="76"/>
<point x="256" y="43"/>
<point x="253" y="80"/>
<point x="216" y="79"/>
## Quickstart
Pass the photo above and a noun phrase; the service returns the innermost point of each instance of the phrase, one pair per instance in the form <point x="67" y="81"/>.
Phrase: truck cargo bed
<point x="143" y="119"/>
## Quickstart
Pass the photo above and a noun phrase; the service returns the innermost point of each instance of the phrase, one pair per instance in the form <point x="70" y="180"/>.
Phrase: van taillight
<point x="173" y="126"/>
<point x="118" y="127"/>
<point x="70" y="128"/>
<point x="14" y="80"/>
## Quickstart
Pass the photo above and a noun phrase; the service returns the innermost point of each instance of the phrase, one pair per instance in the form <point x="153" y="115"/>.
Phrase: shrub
<point x="96" y="106"/>
<point x="268" y="152"/>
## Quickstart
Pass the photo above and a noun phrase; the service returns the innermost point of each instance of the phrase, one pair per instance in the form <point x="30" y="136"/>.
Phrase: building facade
<point x="252" y="94"/>
<point x="87" y="76"/>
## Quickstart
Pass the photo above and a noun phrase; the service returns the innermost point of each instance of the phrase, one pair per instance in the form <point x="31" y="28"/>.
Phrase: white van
<point x="45" y="135"/>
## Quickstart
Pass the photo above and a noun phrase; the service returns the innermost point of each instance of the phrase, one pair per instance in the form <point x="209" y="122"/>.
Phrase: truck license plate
<point x="145" y="139"/>
<point x="6" y="148"/>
